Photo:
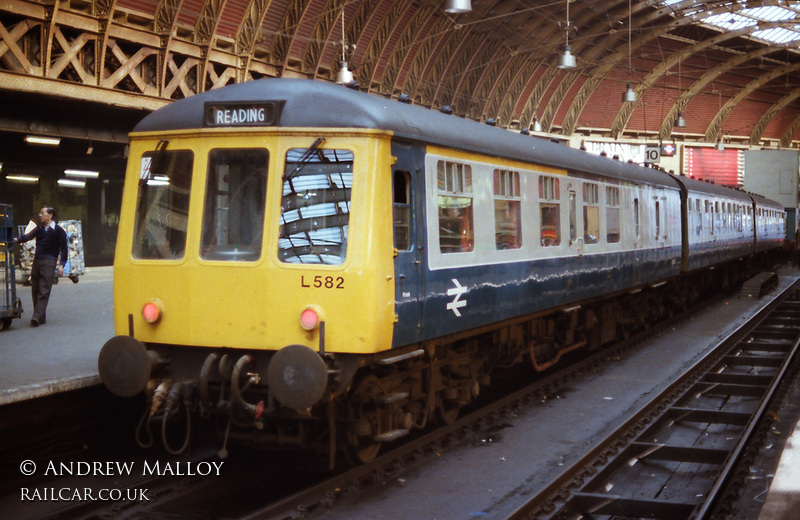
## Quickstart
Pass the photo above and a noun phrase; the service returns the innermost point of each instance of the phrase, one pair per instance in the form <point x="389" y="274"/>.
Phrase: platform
<point x="62" y="354"/>
<point x="783" y="498"/>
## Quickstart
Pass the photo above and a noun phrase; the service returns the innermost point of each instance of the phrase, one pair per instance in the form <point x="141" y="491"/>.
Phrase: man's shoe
<point x="34" y="323"/>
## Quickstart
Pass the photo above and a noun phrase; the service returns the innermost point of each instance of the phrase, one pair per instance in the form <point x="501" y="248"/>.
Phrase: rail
<point x="671" y="460"/>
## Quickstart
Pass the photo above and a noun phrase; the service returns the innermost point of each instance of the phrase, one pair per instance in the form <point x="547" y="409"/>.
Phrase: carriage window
<point x="162" y="206"/>
<point x="573" y="232"/>
<point x="402" y="210"/>
<point x="698" y="218"/>
<point x="658" y="220"/>
<point x="709" y="217"/>
<point x="726" y="214"/>
<point x="315" y="206"/>
<point x="233" y="214"/>
<point x="737" y="215"/>
<point x="456" y="232"/>
<point x="550" y="208"/>
<point x="591" y="213"/>
<point x="508" y="231"/>
<point x="636" y="218"/>
<point x="612" y="215"/>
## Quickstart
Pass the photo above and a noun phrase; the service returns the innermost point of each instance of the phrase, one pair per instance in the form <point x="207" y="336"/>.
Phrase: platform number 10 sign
<point x="652" y="154"/>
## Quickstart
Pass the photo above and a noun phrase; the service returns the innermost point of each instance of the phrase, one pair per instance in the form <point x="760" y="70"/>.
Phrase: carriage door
<point x="660" y="221"/>
<point x="407" y="190"/>
<point x="577" y="275"/>
<point x="637" y="238"/>
<point x="575" y="234"/>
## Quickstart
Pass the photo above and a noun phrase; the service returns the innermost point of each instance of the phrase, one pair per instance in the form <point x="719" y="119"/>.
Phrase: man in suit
<point x="51" y="243"/>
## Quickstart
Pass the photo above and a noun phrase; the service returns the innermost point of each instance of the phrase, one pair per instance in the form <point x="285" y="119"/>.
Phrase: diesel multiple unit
<point x="303" y="264"/>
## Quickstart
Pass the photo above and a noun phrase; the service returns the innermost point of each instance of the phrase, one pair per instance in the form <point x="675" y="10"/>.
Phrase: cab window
<point x="162" y="204"/>
<point x="233" y="213"/>
<point x="402" y="210"/>
<point x="315" y="206"/>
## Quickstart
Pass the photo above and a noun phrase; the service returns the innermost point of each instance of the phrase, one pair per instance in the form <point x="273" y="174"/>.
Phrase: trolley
<point x="10" y="305"/>
<point x="75" y="266"/>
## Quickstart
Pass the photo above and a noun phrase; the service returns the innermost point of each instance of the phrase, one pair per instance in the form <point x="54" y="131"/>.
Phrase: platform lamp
<point x="457" y="6"/>
<point x="680" y="122"/>
<point x="344" y="76"/>
<point x="721" y="138"/>
<point x="629" y="96"/>
<point x="567" y="60"/>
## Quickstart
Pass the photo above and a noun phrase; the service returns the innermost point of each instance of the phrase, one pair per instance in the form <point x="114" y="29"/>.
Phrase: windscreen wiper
<point x="159" y="165"/>
<point x="302" y="162"/>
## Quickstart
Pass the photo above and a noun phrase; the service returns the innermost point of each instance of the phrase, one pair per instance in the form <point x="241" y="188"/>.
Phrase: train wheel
<point x="625" y="330"/>
<point x="360" y="436"/>
<point x="449" y="407"/>
<point x="362" y="448"/>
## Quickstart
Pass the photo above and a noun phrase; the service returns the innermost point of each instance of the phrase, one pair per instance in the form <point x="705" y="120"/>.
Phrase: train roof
<point x="763" y="201"/>
<point x="694" y="185"/>
<point x="310" y="103"/>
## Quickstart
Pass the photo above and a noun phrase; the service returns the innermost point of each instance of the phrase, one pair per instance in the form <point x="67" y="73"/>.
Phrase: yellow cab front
<point x="250" y="240"/>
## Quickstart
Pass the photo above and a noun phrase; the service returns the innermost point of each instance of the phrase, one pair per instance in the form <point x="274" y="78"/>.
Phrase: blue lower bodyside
<point x="455" y="300"/>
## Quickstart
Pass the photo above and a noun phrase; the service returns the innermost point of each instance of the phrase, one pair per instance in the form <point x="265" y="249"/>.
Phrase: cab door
<point x="409" y="262"/>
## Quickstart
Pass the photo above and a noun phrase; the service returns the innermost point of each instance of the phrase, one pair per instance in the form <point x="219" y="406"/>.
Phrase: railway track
<point x="672" y="460"/>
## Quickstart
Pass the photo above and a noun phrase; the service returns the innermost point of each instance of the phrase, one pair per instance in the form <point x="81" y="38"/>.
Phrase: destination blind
<point x="259" y="113"/>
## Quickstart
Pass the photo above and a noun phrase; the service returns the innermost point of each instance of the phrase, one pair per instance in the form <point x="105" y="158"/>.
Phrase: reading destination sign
<point x="256" y="113"/>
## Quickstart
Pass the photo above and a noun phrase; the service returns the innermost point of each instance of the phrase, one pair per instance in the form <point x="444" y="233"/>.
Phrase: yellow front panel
<point x="258" y="304"/>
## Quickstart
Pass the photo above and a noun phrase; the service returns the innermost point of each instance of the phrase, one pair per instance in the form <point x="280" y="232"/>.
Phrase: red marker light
<point x="151" y="312"/>
<point x="309" y="319"/>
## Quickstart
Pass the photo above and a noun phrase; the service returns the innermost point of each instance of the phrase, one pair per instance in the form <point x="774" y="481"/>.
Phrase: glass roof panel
<point x="777" y="35"/>
<point x="739" y="16"/>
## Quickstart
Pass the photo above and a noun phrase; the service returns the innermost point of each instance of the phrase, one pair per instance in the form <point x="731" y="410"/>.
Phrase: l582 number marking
<point x="323" y="282"/>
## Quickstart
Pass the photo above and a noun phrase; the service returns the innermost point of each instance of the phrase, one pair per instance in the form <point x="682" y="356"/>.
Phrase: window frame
<point x="549" y="191"/>
<point x="454" y="183"/>
<point x="250" y="252"/>
<point x="507" y="192"/>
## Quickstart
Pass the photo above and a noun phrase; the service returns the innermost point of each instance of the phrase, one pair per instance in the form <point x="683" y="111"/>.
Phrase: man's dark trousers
<point x="42" y="275"/>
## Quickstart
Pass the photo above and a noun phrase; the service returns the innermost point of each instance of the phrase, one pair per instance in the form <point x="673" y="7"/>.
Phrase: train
<point x="303" y="265"/>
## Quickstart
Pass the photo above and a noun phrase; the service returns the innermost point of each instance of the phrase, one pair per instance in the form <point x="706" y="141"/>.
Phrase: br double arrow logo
<point x="457" y="303"/>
